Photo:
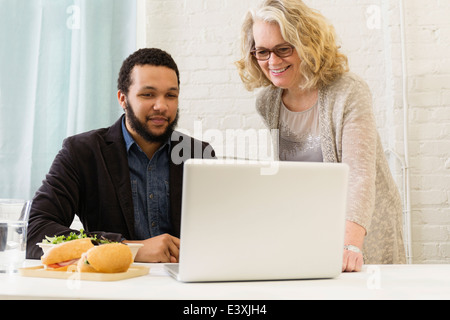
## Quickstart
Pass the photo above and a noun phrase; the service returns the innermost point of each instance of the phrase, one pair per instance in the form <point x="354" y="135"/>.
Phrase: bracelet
<point x="353" y="248"/>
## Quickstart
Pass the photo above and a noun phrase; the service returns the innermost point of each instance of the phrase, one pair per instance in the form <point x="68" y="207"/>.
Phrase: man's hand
<point x="162" y="248"/>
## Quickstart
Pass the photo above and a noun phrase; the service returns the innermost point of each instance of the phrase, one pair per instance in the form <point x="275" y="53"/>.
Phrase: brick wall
<point x="203" y="37"/>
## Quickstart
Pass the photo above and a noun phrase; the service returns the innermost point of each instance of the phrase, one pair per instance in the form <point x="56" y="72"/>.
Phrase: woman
<point x="323" y="113"/>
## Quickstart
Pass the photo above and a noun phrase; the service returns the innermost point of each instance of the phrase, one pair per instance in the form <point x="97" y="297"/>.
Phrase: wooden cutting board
<point x="40" y="272"/>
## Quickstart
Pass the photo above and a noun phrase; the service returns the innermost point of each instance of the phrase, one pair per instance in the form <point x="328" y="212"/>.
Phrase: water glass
<point x="13" y="233"/>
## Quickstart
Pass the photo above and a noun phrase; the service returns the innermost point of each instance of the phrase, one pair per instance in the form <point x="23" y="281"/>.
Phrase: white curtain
<point x="59" y="62"/>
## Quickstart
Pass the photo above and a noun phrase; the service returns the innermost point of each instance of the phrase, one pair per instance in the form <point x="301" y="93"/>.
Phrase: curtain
<point x="59" y="62"/>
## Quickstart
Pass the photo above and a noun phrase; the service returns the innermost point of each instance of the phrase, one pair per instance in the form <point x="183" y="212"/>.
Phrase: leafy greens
<point x="74" y="236"/>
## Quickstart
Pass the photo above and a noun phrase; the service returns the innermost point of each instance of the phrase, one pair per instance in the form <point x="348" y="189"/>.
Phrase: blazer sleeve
<point x="57" y="201"/>
<point x="51" y="212"/>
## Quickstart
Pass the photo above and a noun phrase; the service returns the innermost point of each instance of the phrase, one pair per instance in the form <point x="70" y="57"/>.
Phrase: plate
<point x="39" y="272"/>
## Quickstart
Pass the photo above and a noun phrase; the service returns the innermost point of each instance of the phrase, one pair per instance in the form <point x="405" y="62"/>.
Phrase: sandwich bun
<point x="83" y="265"/>
<point x="106" y="258"/>
<point x="64" y="254"/>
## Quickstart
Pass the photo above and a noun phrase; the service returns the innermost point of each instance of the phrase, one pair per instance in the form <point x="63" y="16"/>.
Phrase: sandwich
<point x="65" y="254"/>
<point x="106" y="258"/>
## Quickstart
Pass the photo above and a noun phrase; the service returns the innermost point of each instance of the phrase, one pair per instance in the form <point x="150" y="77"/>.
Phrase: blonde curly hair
<point x="307" y="30"/>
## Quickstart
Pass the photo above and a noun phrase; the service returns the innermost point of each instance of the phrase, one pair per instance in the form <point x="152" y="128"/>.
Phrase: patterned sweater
<point x="349" y="135"/>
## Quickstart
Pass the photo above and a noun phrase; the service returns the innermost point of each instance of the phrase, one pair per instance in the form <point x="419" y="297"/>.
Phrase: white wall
<point x="203" y="37"/>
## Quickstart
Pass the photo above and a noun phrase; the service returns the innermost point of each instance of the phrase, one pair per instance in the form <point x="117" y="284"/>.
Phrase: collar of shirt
<point x="150" y="188"/>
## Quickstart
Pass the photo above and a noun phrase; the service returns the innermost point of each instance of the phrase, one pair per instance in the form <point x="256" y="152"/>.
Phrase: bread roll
<point x="106" y="258"/>
<point x="83" y="265"/>
<point x="67" y="251"/>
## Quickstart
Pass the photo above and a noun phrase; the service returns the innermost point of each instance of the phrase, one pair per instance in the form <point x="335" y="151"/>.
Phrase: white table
<point x="373" y="282"/>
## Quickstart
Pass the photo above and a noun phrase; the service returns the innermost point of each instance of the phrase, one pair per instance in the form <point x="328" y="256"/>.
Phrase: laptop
<point x="252" y="220"/>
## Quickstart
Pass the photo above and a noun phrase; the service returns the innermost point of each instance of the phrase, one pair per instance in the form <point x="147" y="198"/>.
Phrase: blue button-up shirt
<point x="150" y="188"/>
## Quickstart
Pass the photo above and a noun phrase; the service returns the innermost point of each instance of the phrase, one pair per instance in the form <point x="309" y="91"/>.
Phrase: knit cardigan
<point x="349" y="135"/>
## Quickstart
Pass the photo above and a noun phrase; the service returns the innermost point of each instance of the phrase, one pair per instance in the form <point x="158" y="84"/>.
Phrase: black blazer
<point x="90" y="178"/>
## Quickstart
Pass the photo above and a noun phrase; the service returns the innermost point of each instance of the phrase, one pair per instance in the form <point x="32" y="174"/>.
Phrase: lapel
<point x="116" y="161"/>
<point x="328" y="145"/>
<point x="175" y="182"/>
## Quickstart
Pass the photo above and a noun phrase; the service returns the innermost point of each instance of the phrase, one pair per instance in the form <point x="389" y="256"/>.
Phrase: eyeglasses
<point x="281" y="51"/>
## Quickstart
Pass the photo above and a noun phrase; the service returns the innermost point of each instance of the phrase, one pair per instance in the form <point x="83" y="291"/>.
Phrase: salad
<point x="75" y="236"/>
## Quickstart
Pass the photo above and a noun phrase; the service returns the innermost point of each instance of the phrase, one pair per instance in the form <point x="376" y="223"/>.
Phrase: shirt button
<point x="153" y="224"/>
<point x="151" y="196"/>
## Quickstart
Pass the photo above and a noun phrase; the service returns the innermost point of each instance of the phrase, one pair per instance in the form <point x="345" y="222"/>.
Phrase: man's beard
<point x="141" y="128"/>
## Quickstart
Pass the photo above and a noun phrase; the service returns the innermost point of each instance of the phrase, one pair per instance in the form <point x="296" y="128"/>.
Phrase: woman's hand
<point x="352" y="261"/>
<point x="354" y="239"/>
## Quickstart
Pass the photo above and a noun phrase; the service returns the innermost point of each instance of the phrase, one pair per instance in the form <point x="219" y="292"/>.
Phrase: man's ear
<point x="122" y="98"/>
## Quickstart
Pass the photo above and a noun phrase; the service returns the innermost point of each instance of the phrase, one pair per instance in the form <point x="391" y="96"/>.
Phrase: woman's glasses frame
<point x="282" y="51"/>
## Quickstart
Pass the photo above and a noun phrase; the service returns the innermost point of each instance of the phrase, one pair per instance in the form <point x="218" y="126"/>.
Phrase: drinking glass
<point x="14" y="215"/>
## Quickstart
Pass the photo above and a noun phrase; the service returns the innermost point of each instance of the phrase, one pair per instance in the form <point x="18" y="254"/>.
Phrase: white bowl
<point x="134" y="247"/>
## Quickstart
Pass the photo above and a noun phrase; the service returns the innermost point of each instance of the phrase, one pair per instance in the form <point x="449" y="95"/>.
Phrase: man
<point x="124" y="182"/>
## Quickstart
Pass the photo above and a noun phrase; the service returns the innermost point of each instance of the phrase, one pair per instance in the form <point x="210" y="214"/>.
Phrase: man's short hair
<point x="148" y="56"/>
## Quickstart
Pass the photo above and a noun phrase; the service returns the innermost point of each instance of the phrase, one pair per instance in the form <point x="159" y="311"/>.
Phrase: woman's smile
<point x="278" y="72"/>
